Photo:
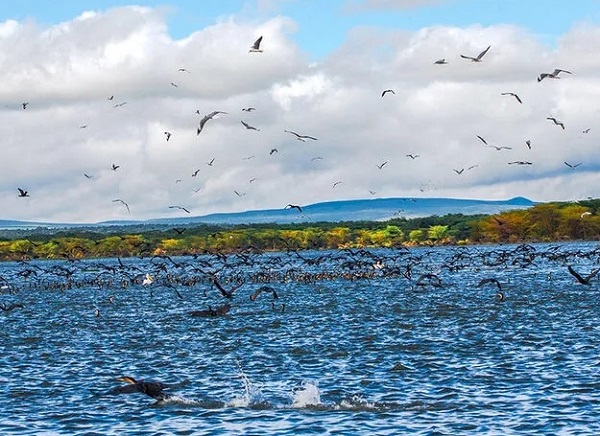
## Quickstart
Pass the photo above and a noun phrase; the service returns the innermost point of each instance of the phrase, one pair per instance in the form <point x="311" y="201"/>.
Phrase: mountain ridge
<point x="371" y="209"/>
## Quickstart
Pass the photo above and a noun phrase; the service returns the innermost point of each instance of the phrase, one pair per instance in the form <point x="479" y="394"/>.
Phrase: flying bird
<point x="115" y="167"/>
<point x="299" y="137"/>
<point x="120" y="104"/>
<point x="572" y="166"/>
<point x="88" y="176"/>
<point x="386" y="91"/>
<point x="211" y="162"/>
<point x="581" y="279"/>
<point x="262" y="289"/>
<point x="203" y="121"/>
<point x="336" y="183"/>
<point x="224" y="292"/>
<point x="239" y="194"/>
<point x="490" y="280"/>
<point x="249" y="127"/>
<point x="586" y="130"/>
<point x="175" y="85"/>
<point x="248" y="109"/>
<point x="555" y="121"/>
<point x="118" y="200"/>
<point x="273" y="150"/>
<point x="482" y="140"/>
<point x="25" y="104"/>
<point x="528" y="143"/>
<point x="382" y="165"/>
<point x="152" y="389"/>
<point x="179" y="207"/>
<point x="256" y="46"/>
<point x="293" y="206"/>
<point x="440" y="62"/>
<point x="195" y="173"/>
<point x="479" y="56"/>
<point x="520" y="162"/>
<point x="513" y="94"/>
<point x="553" y="75"/>
<point x="168" y="135"/>
<point x="412" y="156"/>
<point x="23" y="193"/>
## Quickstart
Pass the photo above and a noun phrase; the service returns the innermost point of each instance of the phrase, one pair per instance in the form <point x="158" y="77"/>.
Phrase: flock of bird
<point x="256" y="47"/>
<point x="221" y="278"/>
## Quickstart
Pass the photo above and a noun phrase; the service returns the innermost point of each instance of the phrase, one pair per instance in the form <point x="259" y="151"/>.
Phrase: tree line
<point x="558" y="221"/>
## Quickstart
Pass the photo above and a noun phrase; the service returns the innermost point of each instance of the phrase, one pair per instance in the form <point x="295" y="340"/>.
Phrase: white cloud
<point x="361" y="5"/>
<point x="68" y="72"/>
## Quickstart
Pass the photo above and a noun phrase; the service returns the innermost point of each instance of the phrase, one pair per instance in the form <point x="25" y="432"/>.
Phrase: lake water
<point x="360" y="347"/>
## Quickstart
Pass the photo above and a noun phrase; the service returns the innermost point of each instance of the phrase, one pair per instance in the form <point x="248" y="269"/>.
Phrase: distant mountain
<point x="376" y="209"/>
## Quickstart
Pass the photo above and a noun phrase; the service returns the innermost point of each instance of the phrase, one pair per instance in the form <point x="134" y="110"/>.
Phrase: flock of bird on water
<point x="260" y="271"/>
<point x="222" y="278"/>
<point x="256" y="48"/>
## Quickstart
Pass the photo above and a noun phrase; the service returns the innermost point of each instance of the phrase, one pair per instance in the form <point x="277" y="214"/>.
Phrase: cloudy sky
<point x="104" y="82"/>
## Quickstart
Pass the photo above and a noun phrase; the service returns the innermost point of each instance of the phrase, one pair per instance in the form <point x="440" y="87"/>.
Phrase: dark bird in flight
<point x="482" y="140"/>
<point x="25" y="104"/>
<point x="528" y="143"/>
<point x="249" y="127"/>
<point x="239" y="194"/>
<point x="490" y="280"/>
<point x="179" y="231"/>
<point x="440" y="62"/>
<point x="153" y="389"/>
<point x="273" y="150"/>
<point x="555" y="121"/>
<point x="572" y="166"/>
<point x="459" y="172"/>
<point x="412" y="156"/>
<point x="262" y="289"/>
<point x="299" y="137"/>
<point x="111" y="97"/>
<point x="520" y="162"/>
<point x="195" y="173"/>
<point x="168" y="135"/>
<point x="513" y="94"/>
<point x="207" y="117"/>
<point x="23" y="193"/>
<point x="429" y="279"/>
<point x="336" y="183"/>
<point x="115" y="167"/>
<point x="87" y="176"/>
<point x="256" y="46"/>
<point x="120" y="104"/>
<point x="211" y="162"/>
<point x="380" y="166"/>
<point x="175" y="85"/>
<point x="118" y="200"/>
<point x="581" y="279"/>
<point x="586" y="130"/>
<point x="225" y="292"/>
<point x="499" y="148"/>
<point x="183" y="70"/>
<point x="372" y="192"/>
<point x="293" y="206"/>
<point x="479" y="56"/>
<point x="179" y="207"/>
<point x="553" y="75"/>
<point x="316" y="158"/>
<point x="248" y="109"/>
<point x="386" y="91"/>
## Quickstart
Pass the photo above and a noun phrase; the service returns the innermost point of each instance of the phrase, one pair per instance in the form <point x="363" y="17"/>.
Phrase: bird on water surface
<point x="153" y="389"/>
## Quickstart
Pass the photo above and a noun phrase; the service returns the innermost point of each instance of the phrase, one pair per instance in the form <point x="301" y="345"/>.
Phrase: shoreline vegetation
<point x="547" y="222"/>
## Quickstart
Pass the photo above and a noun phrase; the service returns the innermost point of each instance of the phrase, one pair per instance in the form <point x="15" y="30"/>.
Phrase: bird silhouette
<point x="179" y="207"/>
<point x="583" y="280"/>
<point x="391" y="91"/>
<point x="118" y="200"/>
<point x="249" y="127"/>
<point x="299" y="137"/>
<point x="513" y="94"/>
<point x="207" y="117"/>
<point x="256" y="46"/>
<point x="555" y="121"/>
<point x="478" y="57"/>
<point x="23" y="193"/>
<point x="294" y="206"/>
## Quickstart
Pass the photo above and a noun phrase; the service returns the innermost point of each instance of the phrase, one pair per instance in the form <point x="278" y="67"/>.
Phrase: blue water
<point x="359" y="347"/>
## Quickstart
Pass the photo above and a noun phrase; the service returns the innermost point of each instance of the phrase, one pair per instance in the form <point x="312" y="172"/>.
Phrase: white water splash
<point x="308" y="395"/>
<point x="252" y="393"/>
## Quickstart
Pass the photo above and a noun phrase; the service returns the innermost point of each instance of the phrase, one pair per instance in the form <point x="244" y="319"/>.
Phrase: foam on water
<point x="307" y="395"/>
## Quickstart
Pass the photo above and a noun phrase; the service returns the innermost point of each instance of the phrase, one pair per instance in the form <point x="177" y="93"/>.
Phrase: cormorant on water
<point x="153" y="389"/>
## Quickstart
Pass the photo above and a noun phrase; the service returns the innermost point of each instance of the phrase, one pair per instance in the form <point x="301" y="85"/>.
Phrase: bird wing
<point x="467" y="57"/>
<point x="482" y="54"/>
<point x="256" y="44"/>
<point x="482" y="140"/>
<point x="577" y="276"/>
